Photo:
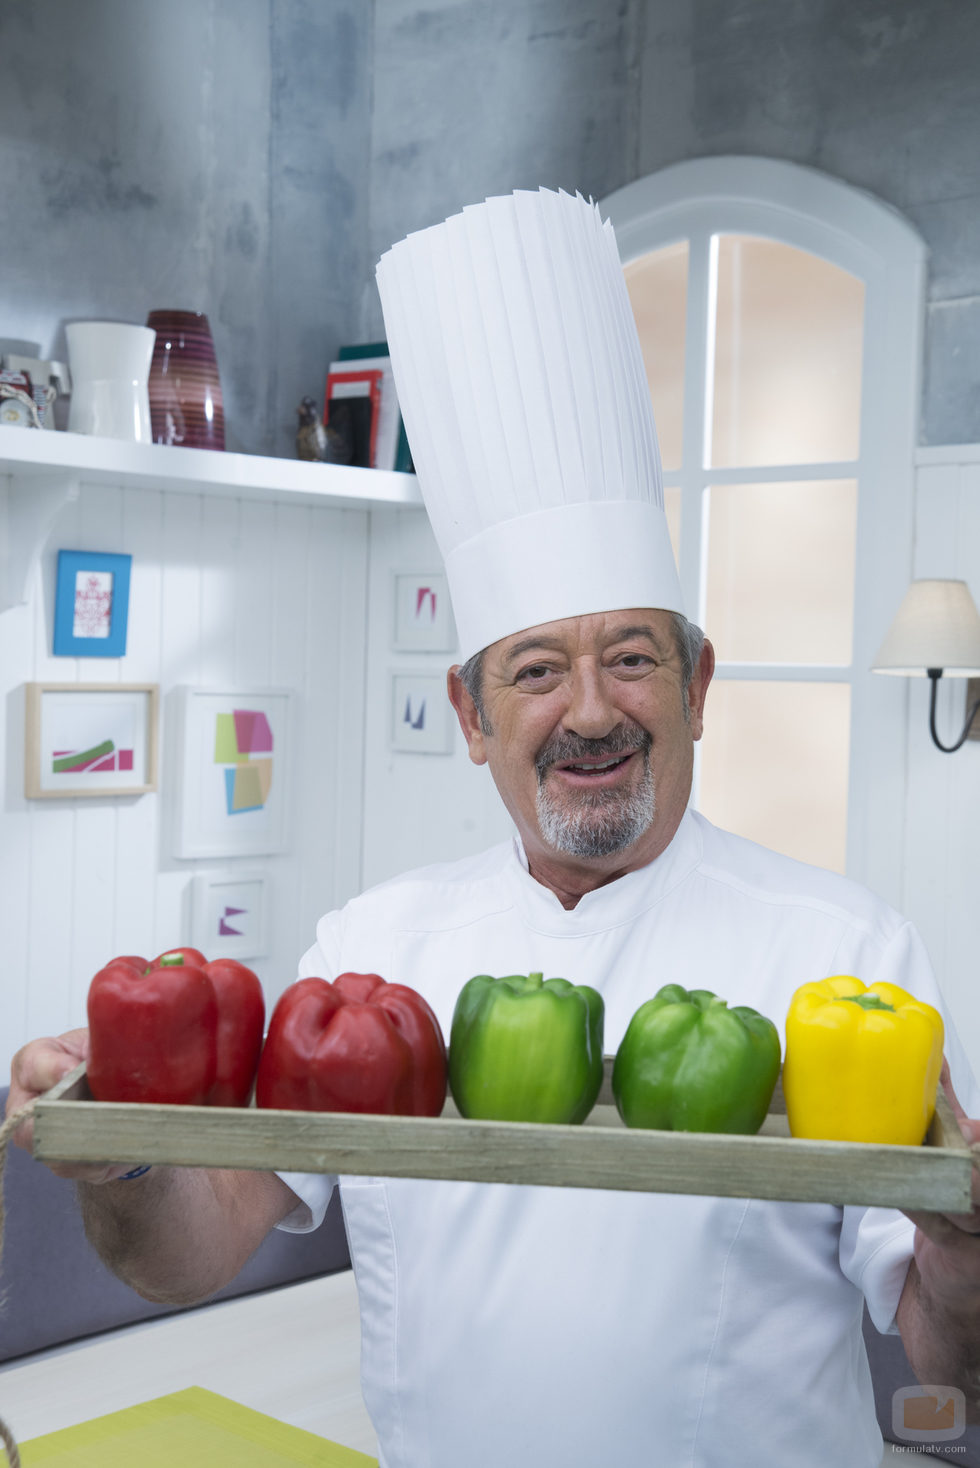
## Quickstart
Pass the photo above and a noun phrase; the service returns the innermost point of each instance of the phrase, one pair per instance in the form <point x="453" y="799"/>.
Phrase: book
<point x="352" y="406"/>
<point x="393" y="450"/>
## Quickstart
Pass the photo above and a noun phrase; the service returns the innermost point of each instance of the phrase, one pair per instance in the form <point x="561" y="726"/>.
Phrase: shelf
<point x="45" y="470"/>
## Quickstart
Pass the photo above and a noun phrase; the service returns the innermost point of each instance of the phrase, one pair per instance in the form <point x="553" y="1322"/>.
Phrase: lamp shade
<point x="936" y="626"/>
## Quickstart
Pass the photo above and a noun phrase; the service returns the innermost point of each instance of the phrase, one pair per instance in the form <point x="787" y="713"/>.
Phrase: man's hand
<point x="939" y="1312"/>
<point x="38" y="1067"/>
<point x="947" y="1245"/>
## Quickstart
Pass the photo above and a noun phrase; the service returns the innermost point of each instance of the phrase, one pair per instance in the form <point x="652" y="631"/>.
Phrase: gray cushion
<point x="55" y="1288"/>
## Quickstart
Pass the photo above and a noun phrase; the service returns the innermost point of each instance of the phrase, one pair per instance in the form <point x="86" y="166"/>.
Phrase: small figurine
<point x="314" y="440"/>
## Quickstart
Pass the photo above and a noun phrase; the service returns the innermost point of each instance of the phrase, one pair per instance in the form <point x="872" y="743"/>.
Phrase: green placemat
<point x="189" y="1429"/>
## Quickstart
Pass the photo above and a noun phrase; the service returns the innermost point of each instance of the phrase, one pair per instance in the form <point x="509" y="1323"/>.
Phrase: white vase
<point x="110" y="364"/>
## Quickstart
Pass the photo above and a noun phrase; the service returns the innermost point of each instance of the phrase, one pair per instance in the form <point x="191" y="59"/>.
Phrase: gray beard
<point x="602" y="821"/>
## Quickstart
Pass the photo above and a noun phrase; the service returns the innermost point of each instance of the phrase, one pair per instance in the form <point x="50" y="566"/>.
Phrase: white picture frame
<point x="230" y="914"/>
<point x="422" y="718"/>
<point x="423" y="618"/>
<point x="232" y="772"/>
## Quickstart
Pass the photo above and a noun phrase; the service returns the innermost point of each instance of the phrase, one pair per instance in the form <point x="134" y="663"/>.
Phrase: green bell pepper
<point x="688" y="1063"/>
<point x="526" y="1048"/>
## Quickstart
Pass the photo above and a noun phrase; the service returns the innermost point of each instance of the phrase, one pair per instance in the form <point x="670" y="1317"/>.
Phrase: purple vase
<point x="186" y="406"/>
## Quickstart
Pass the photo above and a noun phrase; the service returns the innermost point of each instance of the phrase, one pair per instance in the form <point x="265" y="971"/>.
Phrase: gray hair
<point x="689" y="639"/>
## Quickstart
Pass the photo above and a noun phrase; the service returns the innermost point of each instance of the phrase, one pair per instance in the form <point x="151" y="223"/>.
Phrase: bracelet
<point x="136" y="1172"/>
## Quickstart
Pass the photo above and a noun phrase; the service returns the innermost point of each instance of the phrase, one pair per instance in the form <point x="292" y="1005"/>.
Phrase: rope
<point x="7" y="1130"/>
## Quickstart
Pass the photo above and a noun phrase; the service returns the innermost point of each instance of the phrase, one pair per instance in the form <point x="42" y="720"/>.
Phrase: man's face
<point x="592" y="740"/>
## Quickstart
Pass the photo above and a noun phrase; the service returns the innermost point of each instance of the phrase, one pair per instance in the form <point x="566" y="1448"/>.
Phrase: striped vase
<point x="186" y="406"/>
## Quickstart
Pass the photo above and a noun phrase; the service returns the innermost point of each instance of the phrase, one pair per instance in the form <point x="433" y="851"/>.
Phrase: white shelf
<point x="41" y="471"/>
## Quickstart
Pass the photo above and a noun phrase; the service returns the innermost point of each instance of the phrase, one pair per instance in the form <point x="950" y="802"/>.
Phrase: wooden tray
<point x="70" y="1126"/>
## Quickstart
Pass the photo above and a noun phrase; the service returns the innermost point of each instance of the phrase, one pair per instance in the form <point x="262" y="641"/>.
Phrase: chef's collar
<point x="612" y="905"/>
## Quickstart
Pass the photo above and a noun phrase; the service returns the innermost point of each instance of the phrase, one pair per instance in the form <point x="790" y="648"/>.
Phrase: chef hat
<point x="525" y="400"/>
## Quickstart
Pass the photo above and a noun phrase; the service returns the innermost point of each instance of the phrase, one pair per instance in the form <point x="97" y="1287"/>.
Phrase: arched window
<point x="780" y="316"/>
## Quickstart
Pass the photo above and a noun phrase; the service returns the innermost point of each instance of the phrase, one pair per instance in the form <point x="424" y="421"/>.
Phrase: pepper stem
<point x="866" y="1001"/>
<point x="172" y="960"/>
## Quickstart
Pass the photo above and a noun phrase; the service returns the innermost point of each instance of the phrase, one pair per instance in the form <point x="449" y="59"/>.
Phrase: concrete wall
<point x="204" y="154"/>
<point x="472" y="99"/>
<point x="252" y="158"/>
<point x="881" y="93"/>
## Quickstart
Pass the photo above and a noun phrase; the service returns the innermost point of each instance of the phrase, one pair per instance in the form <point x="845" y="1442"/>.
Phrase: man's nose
<point x="592" y="712"/>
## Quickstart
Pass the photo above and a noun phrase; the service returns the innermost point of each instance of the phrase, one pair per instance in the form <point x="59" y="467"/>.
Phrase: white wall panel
<point x="418" y="808"/>
<point x="941" y="857"/>
<point x="235" y="594"/>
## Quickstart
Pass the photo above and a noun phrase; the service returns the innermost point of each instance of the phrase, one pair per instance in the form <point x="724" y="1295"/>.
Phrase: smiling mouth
<point x="591" y="767"/>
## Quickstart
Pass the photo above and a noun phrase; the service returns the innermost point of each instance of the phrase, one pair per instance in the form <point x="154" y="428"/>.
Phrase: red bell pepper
<point x="358" y="1044"/>
<point x="241" y="1021"/>
<point x="182" y="1031"/>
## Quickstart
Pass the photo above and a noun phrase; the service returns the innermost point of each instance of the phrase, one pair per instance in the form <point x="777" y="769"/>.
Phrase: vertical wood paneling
<point x="95" y="856"/>
<point x="16" y="669"/>
<point x="418" y="808"/>
<point x="291" y="551"/>
<point x="138" y="820"/>
<point x="181" y="634"/>
<point x="223" y="593"/>
<point x="50" y="853"/>
<point x="942" y="869"/>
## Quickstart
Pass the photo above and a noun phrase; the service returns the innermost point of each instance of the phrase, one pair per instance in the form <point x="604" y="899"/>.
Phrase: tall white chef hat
<point x="522" y="386"/>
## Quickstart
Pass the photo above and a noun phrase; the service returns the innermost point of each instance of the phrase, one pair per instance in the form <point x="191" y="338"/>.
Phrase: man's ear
<point x="699" y="688"/>
<point x="468" y="716"/>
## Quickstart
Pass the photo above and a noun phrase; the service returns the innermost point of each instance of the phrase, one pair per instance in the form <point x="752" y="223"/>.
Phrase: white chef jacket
<point x="519" y="1325"/>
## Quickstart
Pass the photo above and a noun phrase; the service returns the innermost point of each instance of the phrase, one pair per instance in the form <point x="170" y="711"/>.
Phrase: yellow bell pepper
<point x="862" y="1063"/>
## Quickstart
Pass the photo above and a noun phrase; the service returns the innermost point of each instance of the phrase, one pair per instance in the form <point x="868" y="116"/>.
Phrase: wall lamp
<point x="936" y="631"/>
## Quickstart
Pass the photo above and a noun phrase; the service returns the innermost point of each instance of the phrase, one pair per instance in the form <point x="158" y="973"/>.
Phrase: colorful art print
<point x="85" y="739"/>
<point x="423" y="615"/>
<point x="91" y="608"/>
<point x="230" y="914"/>
<point x="231" y="779"/>
<point x="422" y="719"/>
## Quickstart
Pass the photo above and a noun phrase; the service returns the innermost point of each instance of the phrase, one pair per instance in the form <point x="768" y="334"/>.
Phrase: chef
<point x="549" y="1325"/>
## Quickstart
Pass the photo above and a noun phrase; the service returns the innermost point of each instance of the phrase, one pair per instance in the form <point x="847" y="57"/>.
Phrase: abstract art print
<point x="231" y="793"/>
<point x="423" y="616"/>
<point x="90" y="739"/>
<point x="230" y="914"/>
<point x="91" y="608"/>
<point x="422" y="718"/>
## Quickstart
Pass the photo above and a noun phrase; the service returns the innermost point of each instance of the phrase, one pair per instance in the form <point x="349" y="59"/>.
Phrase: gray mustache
<point x="566" y="748"/>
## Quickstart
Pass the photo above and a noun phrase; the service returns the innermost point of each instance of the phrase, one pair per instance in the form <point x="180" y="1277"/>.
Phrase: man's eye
<point x="536" y="673"/>
<point x="635" y="660"/>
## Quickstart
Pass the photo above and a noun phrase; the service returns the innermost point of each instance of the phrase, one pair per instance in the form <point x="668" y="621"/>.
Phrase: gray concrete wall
<point x="203" y="154"/>
<point x="252" y="158"/>
<point x="881" y="93"/>
<point x="474" y="98"/>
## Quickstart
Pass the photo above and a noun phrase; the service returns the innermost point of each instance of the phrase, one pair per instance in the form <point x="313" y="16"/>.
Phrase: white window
<point x="780" y="316"/>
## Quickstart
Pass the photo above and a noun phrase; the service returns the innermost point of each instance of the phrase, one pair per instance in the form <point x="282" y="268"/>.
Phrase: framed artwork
<point x="232" y="769"/>
<point x="91" y="604"/>
<point x="90" y="739"/>
<point x="423" y="615"/>
<point x="230" y="914"/>
<point x="422" y="718"/>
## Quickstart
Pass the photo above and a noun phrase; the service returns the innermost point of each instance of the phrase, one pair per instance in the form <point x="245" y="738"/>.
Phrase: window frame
<point x="799" y="206"/>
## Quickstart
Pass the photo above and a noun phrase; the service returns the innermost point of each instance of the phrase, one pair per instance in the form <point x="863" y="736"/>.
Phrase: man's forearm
<point x="942" y="1341"/>
<point x="177" y="1235"/>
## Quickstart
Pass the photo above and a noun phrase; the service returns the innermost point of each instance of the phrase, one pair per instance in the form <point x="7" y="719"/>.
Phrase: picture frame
<point x="422" y="718"/>
<point x="232" y="771"/>
<point x="230" y="914"/>
<point x="423" y="613"/>
<point x="91" y="604"/>
<point x="90" y="739"/>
